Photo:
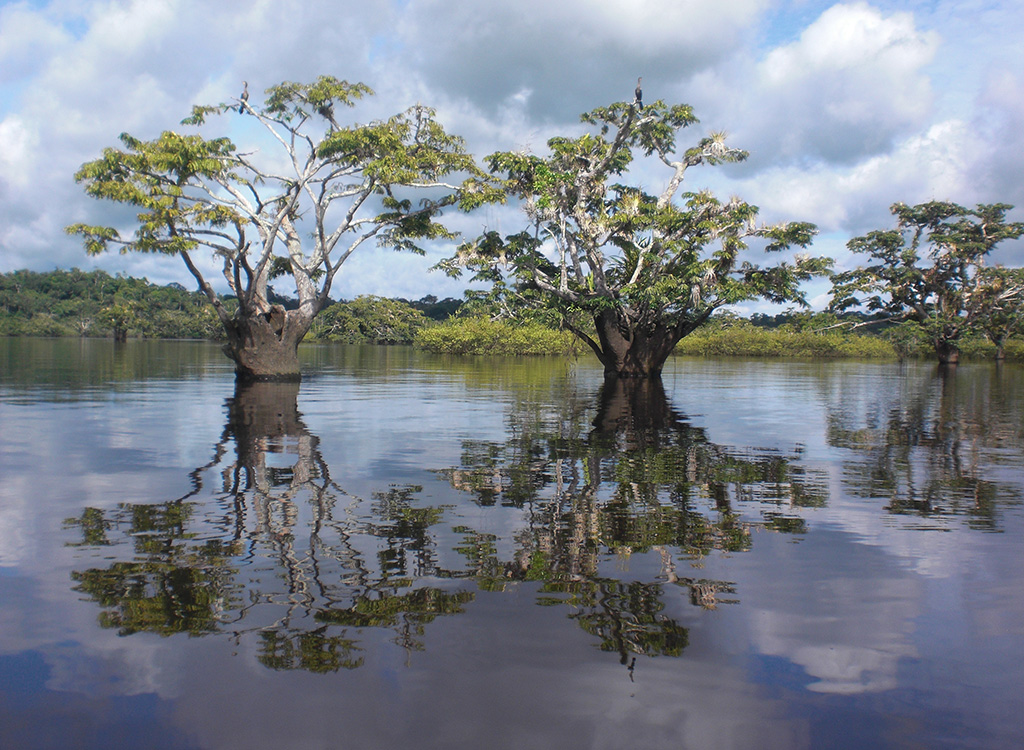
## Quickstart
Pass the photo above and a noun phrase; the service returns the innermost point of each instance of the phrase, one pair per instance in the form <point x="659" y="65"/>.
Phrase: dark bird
<point x="639" y="94"/>
<point x="244" y="97"/>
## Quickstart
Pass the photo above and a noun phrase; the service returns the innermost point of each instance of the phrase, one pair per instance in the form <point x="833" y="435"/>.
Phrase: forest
<point x="76" y="303"/>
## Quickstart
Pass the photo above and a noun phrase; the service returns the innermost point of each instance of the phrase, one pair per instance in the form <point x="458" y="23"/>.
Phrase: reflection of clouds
<point x="125" y="447"/>
<point x="848" y="628"/>
<point x="112" y="668"/>
<point x="15" y="519"/>
<point x="780" y="402"/>
<point x="845" y="602"/>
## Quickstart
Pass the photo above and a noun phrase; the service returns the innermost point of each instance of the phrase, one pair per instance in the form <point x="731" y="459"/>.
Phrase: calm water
<point x="412" y="551"/>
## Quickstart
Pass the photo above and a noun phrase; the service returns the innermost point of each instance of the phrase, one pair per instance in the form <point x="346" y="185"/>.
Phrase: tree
<point x="1001" y="305"/>
<point x="302" y="213"/>
<point x="929" y="270"/>
<point x="630" y="273"/>
<point x="370" y="319"/>
<point x="119" y="317"/>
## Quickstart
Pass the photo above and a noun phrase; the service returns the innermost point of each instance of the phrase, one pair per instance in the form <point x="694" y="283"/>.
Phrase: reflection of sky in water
<point x="864" y="622"/>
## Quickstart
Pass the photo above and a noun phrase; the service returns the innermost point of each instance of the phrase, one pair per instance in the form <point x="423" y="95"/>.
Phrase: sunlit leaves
<point x="291" y="101"/>
<point x="930" y="270"/>
<point x="338" y="184"/>
<point x="644" y="264"/>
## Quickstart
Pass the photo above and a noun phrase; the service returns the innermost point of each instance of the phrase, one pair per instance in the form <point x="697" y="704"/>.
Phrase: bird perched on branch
<point x="639" y="94"/>
<point x="244" y="97"/>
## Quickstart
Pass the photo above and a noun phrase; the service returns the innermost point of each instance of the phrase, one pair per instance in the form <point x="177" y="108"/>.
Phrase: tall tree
<point x="930" y="270"/>
<point x="1000" y="301"/>
<point x="630" y="272"/>
<point x="302" y="211"/>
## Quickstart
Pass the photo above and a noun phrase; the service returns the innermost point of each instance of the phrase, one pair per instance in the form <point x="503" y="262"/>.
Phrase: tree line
<point x="626" y="271"/>
<point x="97" y="304"/>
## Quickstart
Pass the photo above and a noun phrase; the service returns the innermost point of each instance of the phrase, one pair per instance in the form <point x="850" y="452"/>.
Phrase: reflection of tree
<point x="172" y="586"/>
<point x="266" y="543"/>
<point x="642" y="479"/>
<point x="929" y="448"/>
<point x="269" y="549"/>
<point x="625" y="617"/>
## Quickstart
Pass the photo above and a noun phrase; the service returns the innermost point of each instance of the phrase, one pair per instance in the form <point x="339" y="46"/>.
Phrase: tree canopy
<point x="645" y="269"/>
<point x="302" y="211"/>
<point x="931" y="270"/>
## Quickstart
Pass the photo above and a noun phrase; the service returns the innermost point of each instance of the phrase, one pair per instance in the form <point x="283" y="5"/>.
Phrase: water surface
<point x="416" y="551"/>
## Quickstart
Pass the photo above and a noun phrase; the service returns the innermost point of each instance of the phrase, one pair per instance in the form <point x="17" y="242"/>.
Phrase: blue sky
<point x="845" y="108"/>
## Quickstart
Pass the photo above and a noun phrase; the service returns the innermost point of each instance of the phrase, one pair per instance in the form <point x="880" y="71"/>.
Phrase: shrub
<point x="744" y="340"/>
<point x="483" y="336"/>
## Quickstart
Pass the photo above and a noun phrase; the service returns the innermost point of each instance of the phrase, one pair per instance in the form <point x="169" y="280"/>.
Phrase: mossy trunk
<point x="265" y="346"/>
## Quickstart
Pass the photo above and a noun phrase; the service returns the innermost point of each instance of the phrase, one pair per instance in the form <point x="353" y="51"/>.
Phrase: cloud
<point x="570" y="56"/>
<point x="846" y="89"/>
<point x="845" y="107"/>
<point x="934" y="165"/>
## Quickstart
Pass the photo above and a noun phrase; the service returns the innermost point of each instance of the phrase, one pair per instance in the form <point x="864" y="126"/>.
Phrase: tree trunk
<point x="947" y="352"/>
<point x="629" y="352"/>
<point x="265" y="346"/>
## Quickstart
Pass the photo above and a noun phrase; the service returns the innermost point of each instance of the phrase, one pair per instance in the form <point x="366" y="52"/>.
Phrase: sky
<point x="845" y="108"/>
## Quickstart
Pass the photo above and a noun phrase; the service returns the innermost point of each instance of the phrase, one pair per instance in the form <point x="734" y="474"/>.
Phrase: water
<point x="414" y="551"/>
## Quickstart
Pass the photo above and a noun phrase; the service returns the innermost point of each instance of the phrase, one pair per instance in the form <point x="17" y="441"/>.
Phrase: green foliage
<point x="369" y="320"/>
<point x="1000" y="304"/>
<point x="342" y="184"/>
<point x="644" y="269"/>
<point x="484" y="336"/>
<point x="930" y="270"/>
<point x="79" y="303"/>
<point x="746" y="340"/>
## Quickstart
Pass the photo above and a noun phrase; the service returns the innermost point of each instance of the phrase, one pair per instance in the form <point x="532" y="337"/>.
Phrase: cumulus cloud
<point x="845" y="107"/>
<point x="933" y="165"/>
<point x="846" y="89"/>
<point x="570" y="56"/>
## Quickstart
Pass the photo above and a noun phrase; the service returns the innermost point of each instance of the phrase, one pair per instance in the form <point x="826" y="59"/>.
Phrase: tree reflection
<point x="267" y="542"/>
<point x="641" y="480"/>
<point x="931" y="449"/>
<point x="268" y="548"/>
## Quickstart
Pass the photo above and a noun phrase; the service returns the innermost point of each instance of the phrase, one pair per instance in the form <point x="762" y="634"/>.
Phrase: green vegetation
<point x="369" y="320"/>
<point x="485" y="336"/>
<point x="931" y="272"/>
<point x="343" y="184"/>
<point x="738" y="337"/>
<point x="629" y="272"/>
<point x="94" y="303"/>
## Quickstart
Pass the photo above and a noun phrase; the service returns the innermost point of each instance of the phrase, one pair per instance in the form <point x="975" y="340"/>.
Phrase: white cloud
<point x="575" y="55"/>
<point x="27" y="40"/>
<point x="850" y="84"/>
<point x="18" y="155"/>
<point x="856" y="105"/>
<point x="935" y="165"/>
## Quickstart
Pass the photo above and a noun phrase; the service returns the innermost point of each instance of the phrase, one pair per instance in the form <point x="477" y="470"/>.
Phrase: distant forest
<point x="96" y="304"/>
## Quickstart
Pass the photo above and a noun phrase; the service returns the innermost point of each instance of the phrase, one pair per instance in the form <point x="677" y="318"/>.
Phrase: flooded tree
<point x="330" y="188"/>
<point x="627" y="271"/>
<point x="930" y="270"/>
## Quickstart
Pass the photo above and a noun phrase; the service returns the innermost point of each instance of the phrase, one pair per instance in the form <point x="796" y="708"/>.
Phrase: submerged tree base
<point x="265" y="346"/>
